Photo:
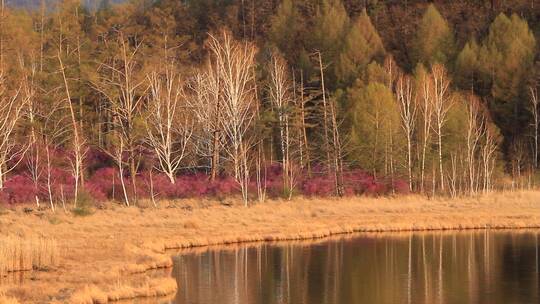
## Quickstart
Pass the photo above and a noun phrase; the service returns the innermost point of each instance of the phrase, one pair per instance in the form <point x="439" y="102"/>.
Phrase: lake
<point x="441" y="267"/>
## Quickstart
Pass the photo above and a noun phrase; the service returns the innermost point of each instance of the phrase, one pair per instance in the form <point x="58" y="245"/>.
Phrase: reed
<point x="150" y="288"/>
<point x="8" y="300"/>
<point x="27" y="253"/>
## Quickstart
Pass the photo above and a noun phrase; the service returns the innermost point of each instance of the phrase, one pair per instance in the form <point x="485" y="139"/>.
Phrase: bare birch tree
<point x="79" y="150"/>
<point x="337" y="151"/>
<point x="408" y="111"/>
<point x="489" y="150"/>
<point x="12" y="105"/>
<point x="533" y="109"/>
<point x="475" y="131"/>
<point x="234" y="62"/>
<point x="52" y="131"/>
<point x="280" y="98"/>
<point x="442" y="103"/>
<point x="205" y="103"/>
<point x="333" y="150"/>
<point x="124" y="92"/>
<point x="168" y="125"/>
<point x="33" y="159"/>
<point x="304" y="114"/>
<point x="326" y="138"/>
<point x="426" y="108"/>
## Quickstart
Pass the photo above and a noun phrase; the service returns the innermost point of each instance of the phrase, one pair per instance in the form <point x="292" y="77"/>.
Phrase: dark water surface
<point x="447" y="267"/>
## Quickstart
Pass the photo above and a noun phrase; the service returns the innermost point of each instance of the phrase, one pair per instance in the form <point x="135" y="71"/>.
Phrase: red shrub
<point x="18" y="189"/>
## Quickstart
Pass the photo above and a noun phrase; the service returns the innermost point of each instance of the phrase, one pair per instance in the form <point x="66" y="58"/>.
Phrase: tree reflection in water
<point x="441" y="267"/>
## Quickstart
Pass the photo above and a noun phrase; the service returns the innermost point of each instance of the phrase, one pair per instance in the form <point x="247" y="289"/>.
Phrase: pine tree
<point x="467" y="65"/>
<point x="283" y="28"/>
<point x="331" y="23"/>
<point x="375" y="128"/>
<point x="434" y="41"/>
<point x="505" y="60"/>
<point x="362" y="45"/>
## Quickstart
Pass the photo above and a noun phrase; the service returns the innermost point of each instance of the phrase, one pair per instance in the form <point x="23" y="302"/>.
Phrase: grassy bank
<point x="28" y="253"/>
<point x="108" y="255"/>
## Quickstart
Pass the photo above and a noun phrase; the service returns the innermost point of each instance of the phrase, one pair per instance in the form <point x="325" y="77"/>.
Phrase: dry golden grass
<point x="8" y="300"/>
<point x="23" y="254"/>
<point x="121" y="244"/>
<point x="152" y="287"/>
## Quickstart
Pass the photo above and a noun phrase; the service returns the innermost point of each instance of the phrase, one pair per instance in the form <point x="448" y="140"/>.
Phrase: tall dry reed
<point x="27" y="253"/>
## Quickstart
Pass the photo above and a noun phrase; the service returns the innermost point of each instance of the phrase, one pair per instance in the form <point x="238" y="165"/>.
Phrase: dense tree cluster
<point x="444" y="99"/>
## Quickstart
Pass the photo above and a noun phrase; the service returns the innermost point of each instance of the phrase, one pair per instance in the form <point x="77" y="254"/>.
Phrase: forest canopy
<point x="350" y="96"/>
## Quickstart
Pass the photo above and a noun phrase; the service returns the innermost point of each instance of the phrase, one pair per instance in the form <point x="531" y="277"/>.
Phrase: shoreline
<point x="117" y="247"/>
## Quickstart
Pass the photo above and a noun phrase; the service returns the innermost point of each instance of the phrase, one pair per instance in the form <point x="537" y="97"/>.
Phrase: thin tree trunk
<point x="325" y="114"/>
<point x="77" y="143"/>
<point x="303" y="118"/>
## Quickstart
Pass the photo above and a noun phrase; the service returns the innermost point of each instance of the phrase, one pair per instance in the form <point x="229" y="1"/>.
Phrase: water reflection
<point x="465" y="267"/>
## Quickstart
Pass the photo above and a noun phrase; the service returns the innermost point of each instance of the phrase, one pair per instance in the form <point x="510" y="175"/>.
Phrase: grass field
<point x="109" y="255"/>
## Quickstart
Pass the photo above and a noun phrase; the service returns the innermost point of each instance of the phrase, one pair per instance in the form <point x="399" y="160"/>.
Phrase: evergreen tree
<point x="331" y="23"/>
<point x="434" y="41"/>
<point x="361" y="46"/>
<point x="467" y="65"/>
<point x="506" y="59"/>
<point x="283" y="29"/>
<point x="375" y="127"/>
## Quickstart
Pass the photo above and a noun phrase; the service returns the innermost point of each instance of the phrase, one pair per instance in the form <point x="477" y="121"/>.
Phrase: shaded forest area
<point x="169" y="99"/>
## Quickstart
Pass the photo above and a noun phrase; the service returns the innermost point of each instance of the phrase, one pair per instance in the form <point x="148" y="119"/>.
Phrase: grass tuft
<point x="22" y="254"/>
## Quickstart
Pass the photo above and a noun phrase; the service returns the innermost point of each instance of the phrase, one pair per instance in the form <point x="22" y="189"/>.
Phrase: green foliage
<point x="375" y="126"/>
<point x="455" y="128"/>
<point x="84" y="205"/>
<point x="54" y="220"/>
<point x="467" y="65"/>
<point x="505" y="59"/>
<point x="328" y="34"/>
<point x="284" y="27"/>
<point x="331" y="24"/>
<point x="362" y="45"/>
<point x="434" y="41"/>
<point x="82" y="211"/>
<point x="506" y="55"/>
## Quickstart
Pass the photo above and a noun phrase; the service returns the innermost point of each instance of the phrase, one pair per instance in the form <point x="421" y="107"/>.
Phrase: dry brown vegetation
<point x="23" y="254"/>
<point x="108" y="255"/>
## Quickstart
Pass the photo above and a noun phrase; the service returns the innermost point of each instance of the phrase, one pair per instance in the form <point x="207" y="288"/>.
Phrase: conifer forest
<point x="164" y="99"/>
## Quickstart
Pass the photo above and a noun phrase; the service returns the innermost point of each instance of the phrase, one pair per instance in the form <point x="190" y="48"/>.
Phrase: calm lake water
<point x="452" y="267"/>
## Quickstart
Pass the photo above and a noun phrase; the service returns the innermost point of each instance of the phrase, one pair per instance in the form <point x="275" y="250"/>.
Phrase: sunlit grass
<point x="27" y="253"/>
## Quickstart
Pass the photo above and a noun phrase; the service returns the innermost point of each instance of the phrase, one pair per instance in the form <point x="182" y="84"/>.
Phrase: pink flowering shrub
<point x="103" y="182"/>
<point x="18" y="189"/>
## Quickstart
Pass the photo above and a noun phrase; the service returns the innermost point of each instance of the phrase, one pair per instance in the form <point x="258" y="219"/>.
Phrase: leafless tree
<point x="326" y="129"/>
<point x="53" y="132"/>
<point x="442" y="103"/>
<point x="206" y="105"/>
<point x="33" y="159"/>
<point x="304" y="114"/>
<point x="427" y="109"/>
<point x="408" y="111"/>
<point x="337" y="151"/>
<point x="79" y="149"/>
<point x="124" y="91"/>
<point x="12" y="105"/>
<point x="234" y="62"/>
<point x="533" y="108"/>
<point x="169" y="126"/>
<point x="334" y="151"/>
<point x="260" y="158"/>
<point x="280" y="98"/>
<point x="475" y="131"/>
<point x="489" y="150"/>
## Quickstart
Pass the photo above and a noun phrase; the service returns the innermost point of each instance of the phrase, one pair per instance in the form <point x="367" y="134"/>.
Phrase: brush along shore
<point x="109" y="254"/>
